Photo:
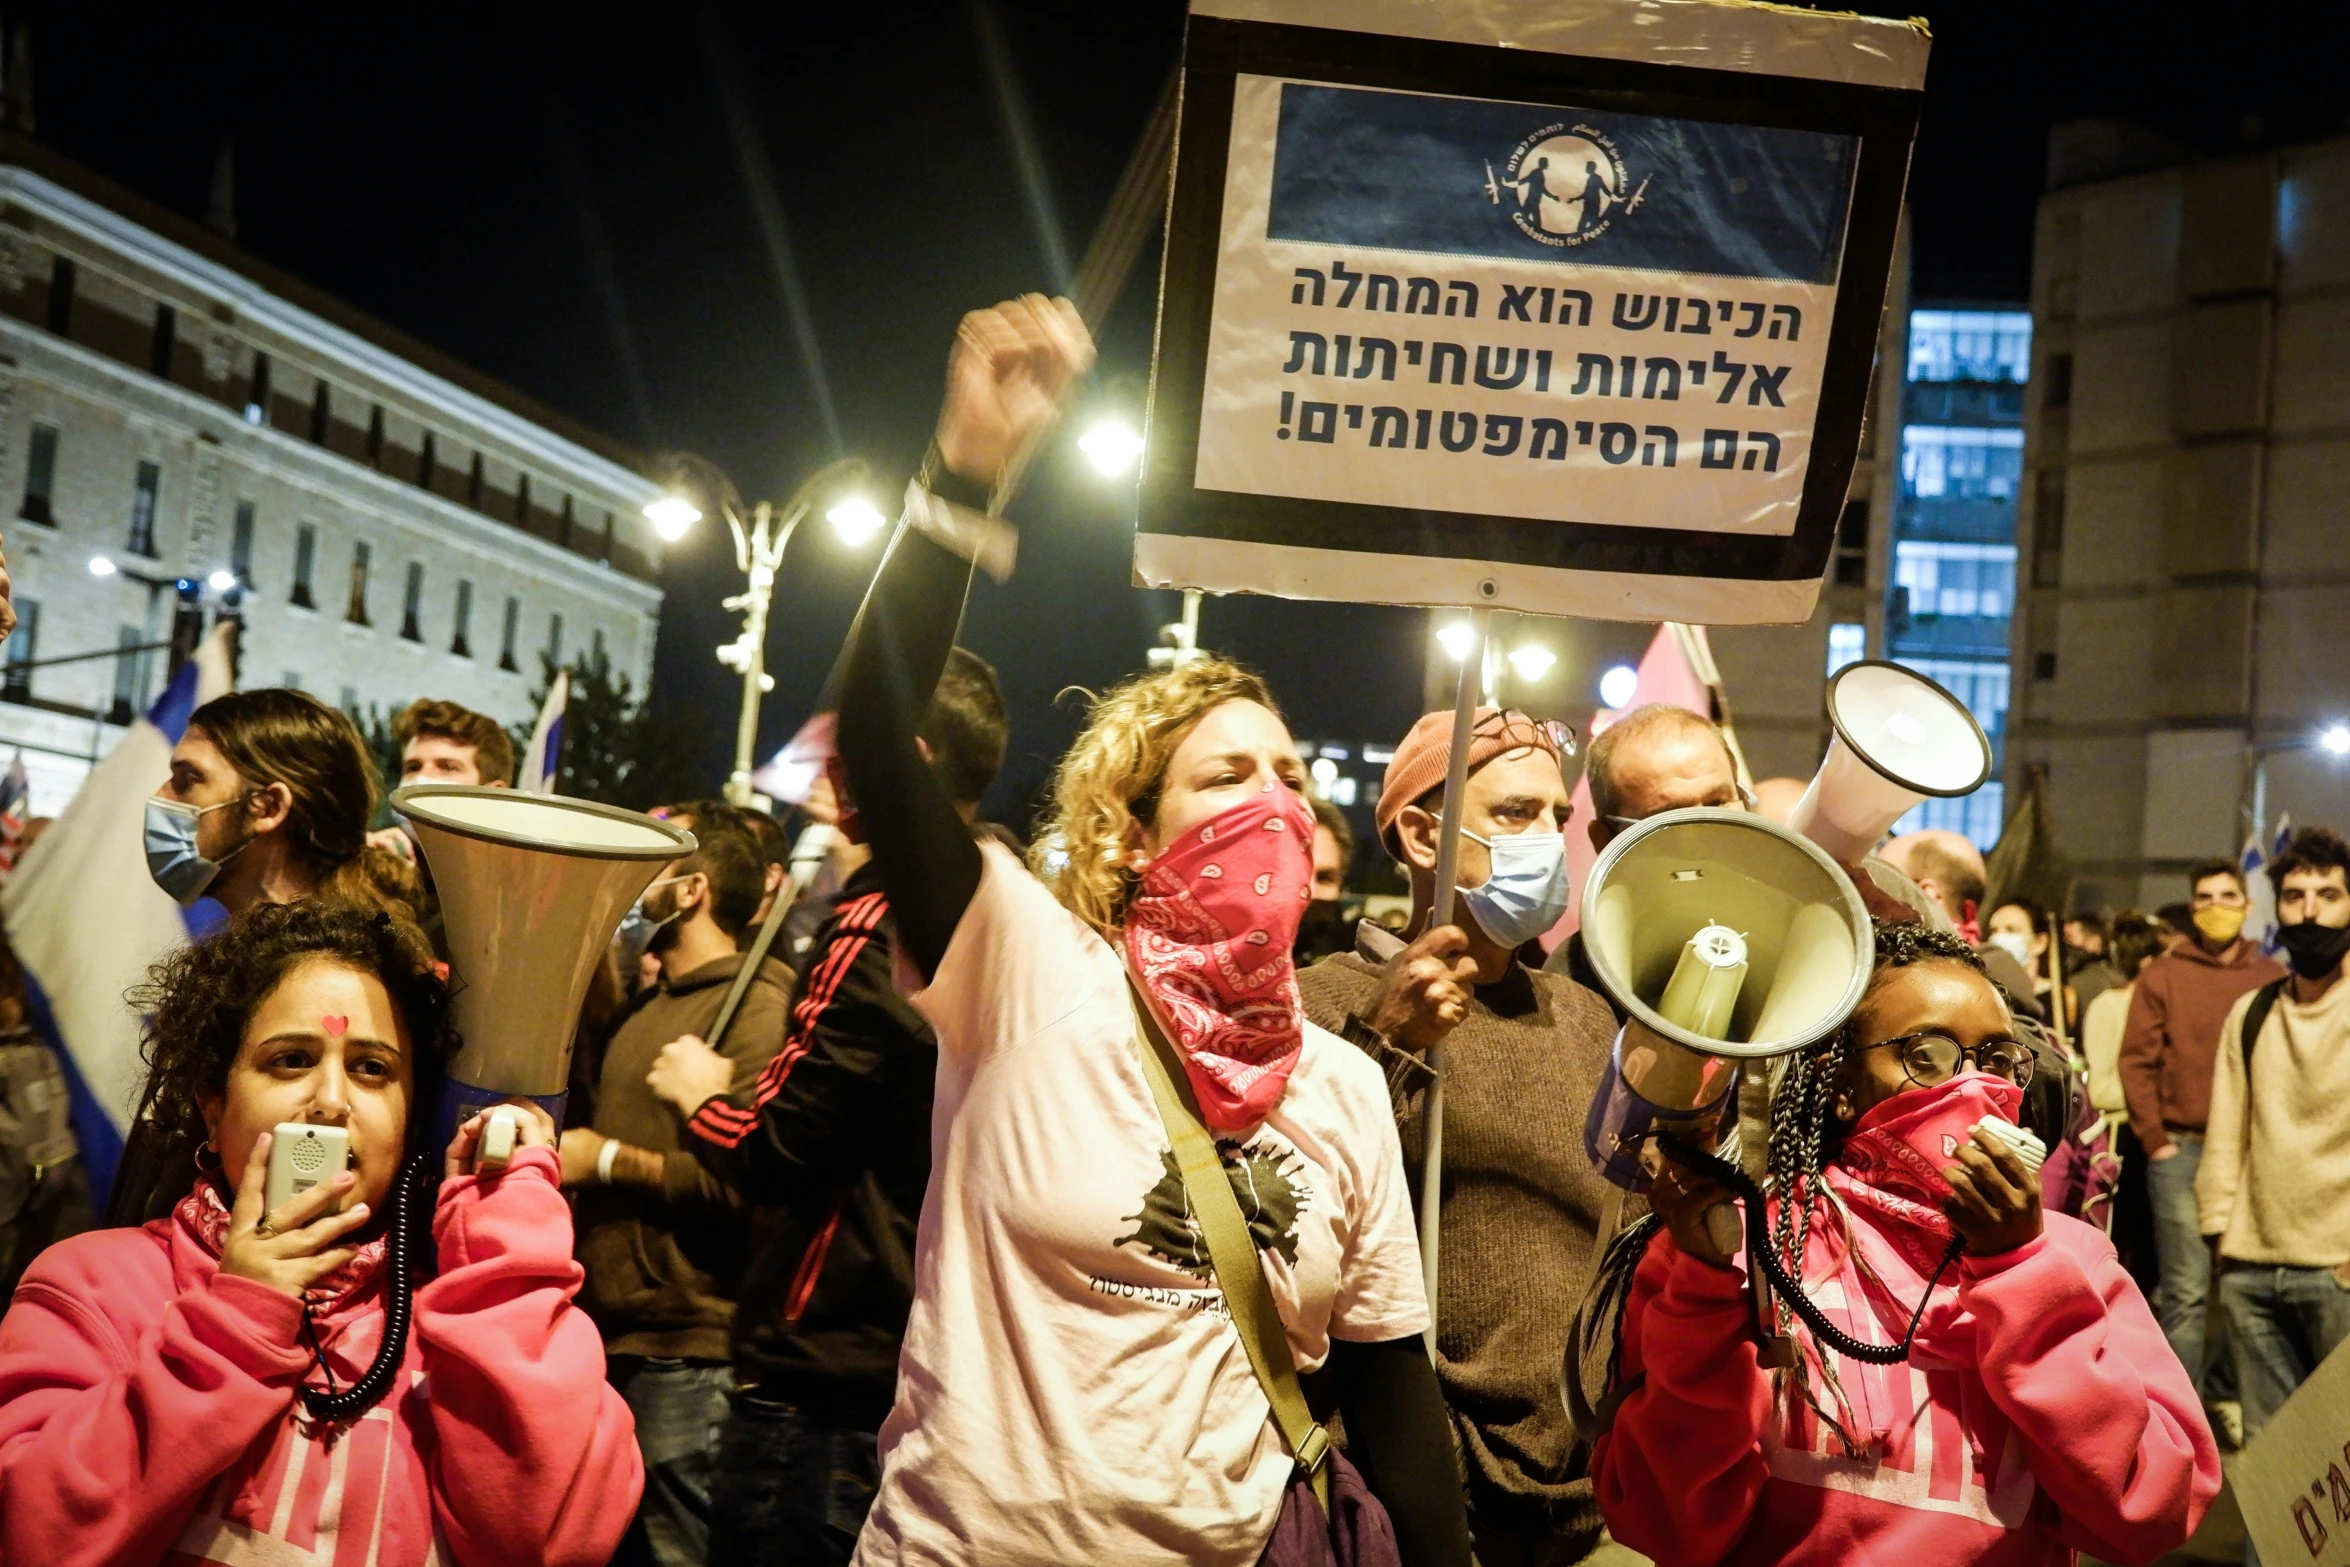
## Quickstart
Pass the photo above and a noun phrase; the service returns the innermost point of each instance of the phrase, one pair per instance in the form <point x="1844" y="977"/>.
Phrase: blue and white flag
<point x="87" y="920"/>
<point x="2260" y="916"/>
<point x="544" y="757"/>
<point x="1511" y="311"/>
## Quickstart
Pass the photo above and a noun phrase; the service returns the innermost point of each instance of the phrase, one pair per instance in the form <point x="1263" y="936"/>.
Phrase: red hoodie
<point x="148" y="1413"/>
<point x="2041" y="1412"/>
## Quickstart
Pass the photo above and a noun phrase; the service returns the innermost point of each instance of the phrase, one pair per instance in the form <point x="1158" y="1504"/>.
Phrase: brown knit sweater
<point x="1521" y="1203"/>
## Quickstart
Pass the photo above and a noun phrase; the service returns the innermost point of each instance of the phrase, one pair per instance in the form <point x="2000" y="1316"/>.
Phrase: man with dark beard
<point x="664" y="1241"/>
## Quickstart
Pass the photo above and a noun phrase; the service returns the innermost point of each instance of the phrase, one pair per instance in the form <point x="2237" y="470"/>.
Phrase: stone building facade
<point x="180" y="424"/>
<point x="2185" y="535"/>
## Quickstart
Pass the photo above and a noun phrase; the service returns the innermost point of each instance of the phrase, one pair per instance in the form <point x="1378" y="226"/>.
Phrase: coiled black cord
<point x="324" y="1403"/>
<point x="1791" y="1291"/>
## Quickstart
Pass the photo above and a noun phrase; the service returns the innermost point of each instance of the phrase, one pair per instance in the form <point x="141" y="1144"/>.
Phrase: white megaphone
<point x="1899" y="738"/>
<point x="532" y="887"/>
<point x="1724" y="937"/>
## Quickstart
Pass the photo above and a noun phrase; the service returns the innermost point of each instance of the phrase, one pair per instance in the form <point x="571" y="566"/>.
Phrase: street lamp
<point x="1618" y="686"/>
<point x="1112" y="446"/>
<point x="671" y="515"/>
<point x="758" y="551"/>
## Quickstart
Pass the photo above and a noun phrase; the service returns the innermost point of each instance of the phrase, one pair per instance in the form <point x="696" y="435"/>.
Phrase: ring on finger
<point x="264" y="1228"/>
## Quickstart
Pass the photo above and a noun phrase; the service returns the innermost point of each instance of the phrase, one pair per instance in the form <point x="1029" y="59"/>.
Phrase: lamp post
<point x="2334" y="740"/>
<point x="758" y="551"/>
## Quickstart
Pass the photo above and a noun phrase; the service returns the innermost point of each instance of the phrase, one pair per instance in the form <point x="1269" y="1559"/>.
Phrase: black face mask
<point x="2314" y="950"/>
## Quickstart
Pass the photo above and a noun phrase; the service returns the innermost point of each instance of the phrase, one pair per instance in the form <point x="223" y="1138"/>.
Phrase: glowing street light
<point x="222" y="580"/>
<point x="100" y="566"/>
<point x="1532" y="660"/>
<point x="2336" y="739"/>
<point x="1617" y="686"/>
<point x="856" y="520"/>
<point x="671" y="515"/>
<point x="1456" y="638"/>
<point x="1112" y="446"/>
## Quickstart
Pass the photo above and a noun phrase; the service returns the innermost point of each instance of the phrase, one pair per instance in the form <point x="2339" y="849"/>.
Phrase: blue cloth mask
<point x="1527" y="891"/>
<point x="171" y="849"/>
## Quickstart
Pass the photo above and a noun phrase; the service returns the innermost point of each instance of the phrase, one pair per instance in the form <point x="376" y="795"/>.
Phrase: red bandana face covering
<point x="1208" y="938"/>
<point x="1896" y="1153"/>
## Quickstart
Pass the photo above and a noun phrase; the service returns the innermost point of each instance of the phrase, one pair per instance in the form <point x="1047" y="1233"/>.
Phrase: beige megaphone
<point x="532" y="887"/>
<point x="1899" y="738"/>
<point x="1725" y="937"/>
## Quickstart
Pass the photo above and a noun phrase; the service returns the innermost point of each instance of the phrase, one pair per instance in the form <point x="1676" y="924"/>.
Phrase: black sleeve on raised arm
<point x="897" y="650"/>
<point x="1397" y="1433"/>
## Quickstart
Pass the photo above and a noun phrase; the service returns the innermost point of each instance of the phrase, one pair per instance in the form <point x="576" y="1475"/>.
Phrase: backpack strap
<point x="1240" y="1271"/>
<point x="2264" y="1001"/>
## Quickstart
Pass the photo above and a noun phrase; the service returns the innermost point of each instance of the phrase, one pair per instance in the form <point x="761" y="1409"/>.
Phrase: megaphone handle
<point x="497" y="1138"/>
<point x="1723" y="1228"/>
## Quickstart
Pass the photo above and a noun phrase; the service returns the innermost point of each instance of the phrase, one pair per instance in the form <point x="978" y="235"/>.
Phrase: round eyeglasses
<point x="1930" y="1059"/>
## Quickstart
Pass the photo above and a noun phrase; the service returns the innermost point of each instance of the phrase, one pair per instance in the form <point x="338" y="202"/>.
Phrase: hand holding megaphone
<point x="1700" y="1211"/>
<point x="488" y="1140"/>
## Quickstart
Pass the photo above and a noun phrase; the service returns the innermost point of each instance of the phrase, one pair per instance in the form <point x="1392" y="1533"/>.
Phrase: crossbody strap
<point x="753" y="961"/>
<point x="1240" y="1270"/>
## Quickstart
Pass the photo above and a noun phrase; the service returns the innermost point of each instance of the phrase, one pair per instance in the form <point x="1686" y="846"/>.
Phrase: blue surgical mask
<point x="637" y="928"/>
<point x="171" y="849"/>
<point x="1527" y="891"/>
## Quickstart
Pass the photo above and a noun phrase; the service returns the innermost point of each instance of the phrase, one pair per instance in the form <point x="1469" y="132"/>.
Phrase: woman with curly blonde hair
<point x="1071" y="1387"/>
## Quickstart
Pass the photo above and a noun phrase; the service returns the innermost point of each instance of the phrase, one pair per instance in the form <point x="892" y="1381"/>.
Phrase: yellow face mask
<point x="2219" y="923"/>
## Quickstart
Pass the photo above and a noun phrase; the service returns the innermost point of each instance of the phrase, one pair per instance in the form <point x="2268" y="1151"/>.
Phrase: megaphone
<point x="1899" y="738"/>
<point x="532" y="887"/>
<point x="1724" y="937"/>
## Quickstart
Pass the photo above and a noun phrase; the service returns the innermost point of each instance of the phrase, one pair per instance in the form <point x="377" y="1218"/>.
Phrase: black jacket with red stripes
<point x="833" y="1146"/>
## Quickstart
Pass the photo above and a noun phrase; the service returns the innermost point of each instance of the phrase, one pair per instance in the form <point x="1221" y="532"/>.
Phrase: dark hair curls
<point x="199" y="1000"/>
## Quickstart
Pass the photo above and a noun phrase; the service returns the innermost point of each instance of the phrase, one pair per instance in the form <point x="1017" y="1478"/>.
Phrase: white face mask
<point x="2015" y="944"/>
<point x="1527" y="890"/>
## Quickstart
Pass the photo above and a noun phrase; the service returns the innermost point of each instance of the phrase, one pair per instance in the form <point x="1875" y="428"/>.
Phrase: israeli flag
<point x="545" y="754"/>
<point x="87" y="920"/>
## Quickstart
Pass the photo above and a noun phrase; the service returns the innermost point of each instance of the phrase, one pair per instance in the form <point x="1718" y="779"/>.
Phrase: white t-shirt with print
<point x="1068" y="1391"/>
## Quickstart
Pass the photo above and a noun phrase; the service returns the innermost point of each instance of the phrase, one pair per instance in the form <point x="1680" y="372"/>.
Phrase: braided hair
<point x="1803" y="1135"/>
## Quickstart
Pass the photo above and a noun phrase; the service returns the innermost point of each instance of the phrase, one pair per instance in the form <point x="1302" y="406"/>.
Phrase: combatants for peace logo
<point x="1564" y="185"/>
<point x="1269" y="1200"/>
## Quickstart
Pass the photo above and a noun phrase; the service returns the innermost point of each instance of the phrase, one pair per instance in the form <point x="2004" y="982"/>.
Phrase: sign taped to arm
<point x="1453" y="314"/>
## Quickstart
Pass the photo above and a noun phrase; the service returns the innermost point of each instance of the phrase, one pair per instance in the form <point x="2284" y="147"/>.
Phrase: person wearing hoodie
<point x="2169" y="1046"/>
<point x="161" y="1387"/>
<point x="2036" y="1415"/>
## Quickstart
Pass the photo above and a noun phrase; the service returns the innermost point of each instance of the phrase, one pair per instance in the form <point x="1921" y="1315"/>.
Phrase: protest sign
<point x="2293" y="1481"/>
<point x="1568" y="309"/>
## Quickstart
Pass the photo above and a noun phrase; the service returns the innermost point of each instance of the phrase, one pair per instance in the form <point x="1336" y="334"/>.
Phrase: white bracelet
<point x="604" y="1157"/>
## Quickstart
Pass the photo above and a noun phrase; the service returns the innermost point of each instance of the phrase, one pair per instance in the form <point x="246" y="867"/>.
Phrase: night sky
<point x="558" y="195"/>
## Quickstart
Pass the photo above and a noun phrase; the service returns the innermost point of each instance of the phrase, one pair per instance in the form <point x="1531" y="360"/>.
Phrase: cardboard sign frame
<point x="1226" y="541"/>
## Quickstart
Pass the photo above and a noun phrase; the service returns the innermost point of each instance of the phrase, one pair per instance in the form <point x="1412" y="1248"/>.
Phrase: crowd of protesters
<point x="867" y="1234"/>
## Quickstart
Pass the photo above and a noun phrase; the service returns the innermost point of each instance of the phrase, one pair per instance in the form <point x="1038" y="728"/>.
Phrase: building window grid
<point x="322" y="413"/>
<point x="1970" y="345"/>
<point x="240" y="545"/>
<point x="1944" y="578"/>
<point x="555" y="639"/>
<point x="159" y="345"/>
<point x="362" y="558"/>
<point x="412" y="604"/>
<point x="1961" y="462"/>
<point x="305" y="563"/>
<point x="147" y="481"/>
<point x="17" y="684"/>
<point x="507" y="634"/>
<point x="40" y="475"/>
<point x="427" y="459"/>
<point x="257" y="395"/>
<point x="460" y="642"/>
<point x="62" y="275"/>
<point x="1983" y="686"/>
<point x="130" y="675"/>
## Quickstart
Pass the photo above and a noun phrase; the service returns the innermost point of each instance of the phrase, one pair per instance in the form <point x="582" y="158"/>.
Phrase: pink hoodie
<point x="2057" y="1420"/>
<point x="148" y="1413"/>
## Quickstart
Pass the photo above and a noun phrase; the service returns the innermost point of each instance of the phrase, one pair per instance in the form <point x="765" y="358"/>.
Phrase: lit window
<point x="1960" y="462"/>
<point x="1970" y="345"/>
<point x="1848" y="643"/>
<point x="1945" y="578"/>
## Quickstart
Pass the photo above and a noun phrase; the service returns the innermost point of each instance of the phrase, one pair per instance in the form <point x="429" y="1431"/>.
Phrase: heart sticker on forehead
<point x="335" y="1023"/>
